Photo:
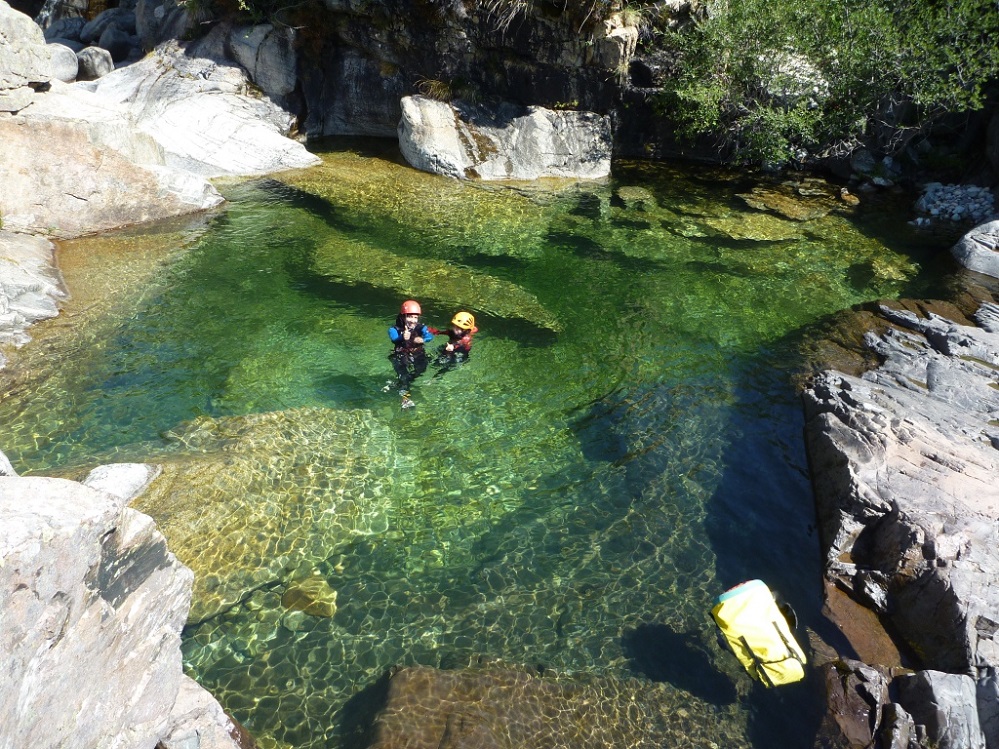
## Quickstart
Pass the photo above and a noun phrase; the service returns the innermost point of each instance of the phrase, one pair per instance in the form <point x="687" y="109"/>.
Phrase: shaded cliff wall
<point x="358" y="60"/>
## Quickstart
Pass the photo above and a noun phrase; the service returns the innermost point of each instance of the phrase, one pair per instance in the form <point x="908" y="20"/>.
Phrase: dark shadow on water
<point x="369" y="299"/>
<point x="358" y="714"/>
<point x="345" y="389"/>
<point x="786" y="716"/>
<point x="760" y="523"/>
<point x="679" y="659"/>
<point x="861" y="275"/>
<point x="588" y="249"/>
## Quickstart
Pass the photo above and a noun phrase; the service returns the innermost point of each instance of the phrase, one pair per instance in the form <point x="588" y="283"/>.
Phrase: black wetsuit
<point x="408" y="358"/>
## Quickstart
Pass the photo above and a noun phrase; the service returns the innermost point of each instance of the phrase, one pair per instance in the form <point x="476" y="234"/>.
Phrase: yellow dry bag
<point x="758" y="634"/>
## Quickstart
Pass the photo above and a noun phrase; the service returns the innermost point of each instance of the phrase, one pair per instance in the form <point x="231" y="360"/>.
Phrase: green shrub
<point x="887" y="68"/>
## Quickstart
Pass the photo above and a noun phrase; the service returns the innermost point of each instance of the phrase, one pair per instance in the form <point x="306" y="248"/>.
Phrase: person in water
<point x="459" y="344"/>
<point x="408" y="337"/>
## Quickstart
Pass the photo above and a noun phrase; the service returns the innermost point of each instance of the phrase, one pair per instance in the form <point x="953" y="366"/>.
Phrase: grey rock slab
<point x="6" y="469"/>
<point x="946" y="704"/>
<point x="904" y="462"/>
<point x="95" y="62"/>
<point x="978" y="250"/>
<point x="506" y="142"/>
<point x="30" y="286"/>
<point x="199" y="722"/>
<point x="74" y="186"/>
<point x="65" y="65"/>
<point x="65" y="28"/>
<point x="125" y="480"/>
<point x="204" y="116"/>
<point x="91" y="608"/>
<point x="24" y="59"/>
<point x="268" y="54"/>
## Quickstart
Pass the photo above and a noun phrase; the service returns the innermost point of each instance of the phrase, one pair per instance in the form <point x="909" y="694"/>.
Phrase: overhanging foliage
<point x="779" y="80"/>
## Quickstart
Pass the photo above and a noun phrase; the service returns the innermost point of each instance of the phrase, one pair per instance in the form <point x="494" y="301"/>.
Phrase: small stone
<point x="312" y="596"/>
<point x="848" y="197"/>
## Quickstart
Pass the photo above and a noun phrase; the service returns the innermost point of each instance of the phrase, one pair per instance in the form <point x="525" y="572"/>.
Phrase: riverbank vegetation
<point x="784" y="80"/>
<point x="753" y="81"/>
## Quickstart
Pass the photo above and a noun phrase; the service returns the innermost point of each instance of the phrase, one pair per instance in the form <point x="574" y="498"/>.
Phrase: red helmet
<point x="411" y="307"/>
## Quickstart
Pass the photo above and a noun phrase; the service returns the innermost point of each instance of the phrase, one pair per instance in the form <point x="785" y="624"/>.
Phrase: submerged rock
<point x="313" y="596"/>
<point x="507" y="708"/>
<point x="794" y="205"/>
<point x="636" y="198"/>
<point x="756" y="227"/>
<point x="411" y="207"/>
<point x="255" y="498"/>
<point x="352" y="260"/>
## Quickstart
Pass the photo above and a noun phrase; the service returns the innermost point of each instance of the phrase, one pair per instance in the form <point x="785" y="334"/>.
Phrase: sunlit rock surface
<point x="200" y="110"/>
<point x="30" y="286"/>
<point x="978" y="250"/>
<point x="503" y="142"/>
<point x="91" y="608"/>
<point x="253" y="499"/>
<point x="25" y="60"/>
<point x="199" y="722"/>
<point x="72" y="185"/>
<point x="904" y="460"/>
<point x="73" y="163"/>
<point x="135" y="145"/>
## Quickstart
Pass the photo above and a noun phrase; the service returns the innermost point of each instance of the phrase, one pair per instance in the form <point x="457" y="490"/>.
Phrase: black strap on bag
<point x="760" y="664"/>
<point x="761" y="672"/>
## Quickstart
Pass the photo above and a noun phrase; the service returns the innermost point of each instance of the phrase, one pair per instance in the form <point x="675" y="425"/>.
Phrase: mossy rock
<point x="756" y="227"/>
<point x="790" y="205"/>
<point x="347" y="259"/>
<point x="636" y="198"/>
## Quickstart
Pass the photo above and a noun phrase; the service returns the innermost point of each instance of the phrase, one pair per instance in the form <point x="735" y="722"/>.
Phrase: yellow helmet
<point x="463" y="320"/>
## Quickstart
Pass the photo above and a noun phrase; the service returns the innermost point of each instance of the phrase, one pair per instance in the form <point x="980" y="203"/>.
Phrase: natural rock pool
<point x="624" y="444"/>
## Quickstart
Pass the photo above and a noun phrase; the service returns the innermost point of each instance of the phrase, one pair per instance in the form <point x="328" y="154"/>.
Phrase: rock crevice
<point x="903" y="464"/>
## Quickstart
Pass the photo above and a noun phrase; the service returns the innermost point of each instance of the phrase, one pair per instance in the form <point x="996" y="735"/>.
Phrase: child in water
<point x="408" y="336"/>
<point x="459" y="344"/>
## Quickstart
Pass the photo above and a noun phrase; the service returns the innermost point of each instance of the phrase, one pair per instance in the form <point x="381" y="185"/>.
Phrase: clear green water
<point x="623" y="445"/>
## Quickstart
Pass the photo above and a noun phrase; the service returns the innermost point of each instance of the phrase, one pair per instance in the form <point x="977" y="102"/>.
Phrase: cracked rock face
<point x="25" y="61"/>
<point x="91" y="608"/>
<point x="904" y="462"/>
<point x="30" y="286"/>
<point x="503" y="143"/>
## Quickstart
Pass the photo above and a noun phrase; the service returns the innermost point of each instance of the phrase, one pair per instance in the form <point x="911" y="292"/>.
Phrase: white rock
<point x="504" y="143"/>
<point x="91" y="609"/>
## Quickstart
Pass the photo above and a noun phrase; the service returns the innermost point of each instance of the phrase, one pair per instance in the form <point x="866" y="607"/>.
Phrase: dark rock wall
<point x="356" y="63"/>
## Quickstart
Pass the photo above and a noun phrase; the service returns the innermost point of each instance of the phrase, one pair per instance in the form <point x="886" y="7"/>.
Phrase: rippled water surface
<point x="623" y="445"/>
